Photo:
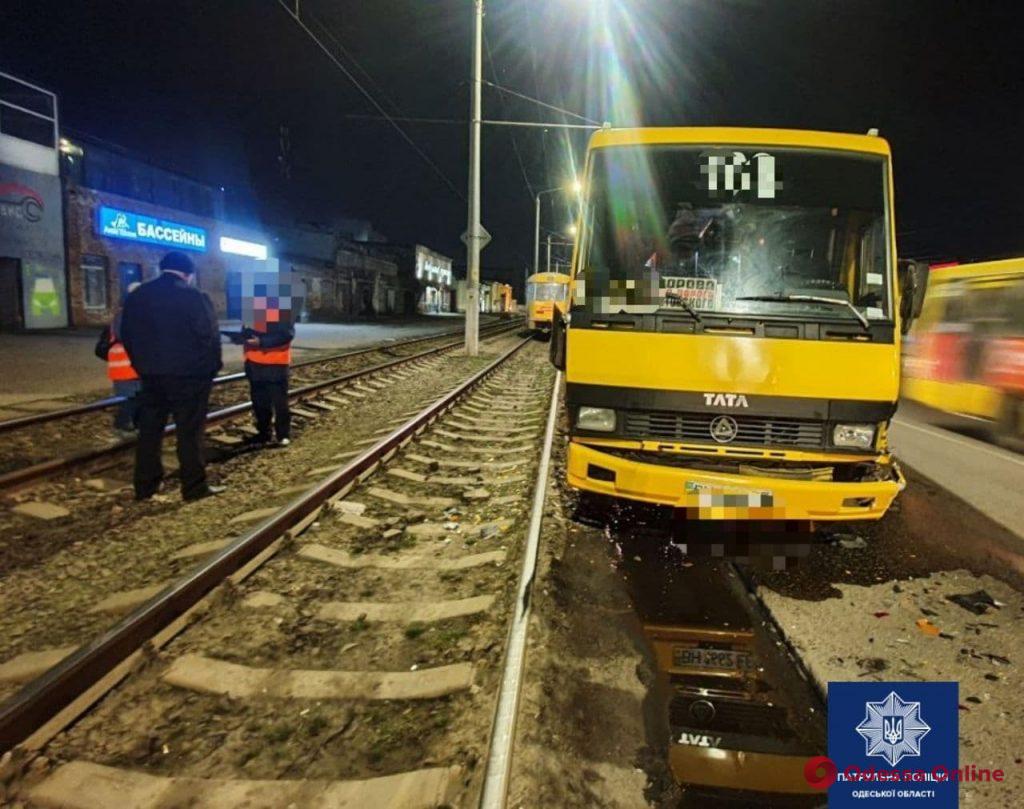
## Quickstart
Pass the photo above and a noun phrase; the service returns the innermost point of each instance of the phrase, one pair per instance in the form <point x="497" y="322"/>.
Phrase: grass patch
<point x="414" y="630"/>
<point x="275" y="734"/>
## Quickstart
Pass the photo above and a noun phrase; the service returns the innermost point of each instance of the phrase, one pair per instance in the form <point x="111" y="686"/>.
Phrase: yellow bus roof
<point x="549" y="278"/>
<point x="722" y="135"/>
<point x="979" y="270"/>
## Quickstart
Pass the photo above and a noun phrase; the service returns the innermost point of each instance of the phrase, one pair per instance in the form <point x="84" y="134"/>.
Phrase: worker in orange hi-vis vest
<point x="121" y="374"/>
<point x="270" y="300"/>
<point x="268" y="355"/>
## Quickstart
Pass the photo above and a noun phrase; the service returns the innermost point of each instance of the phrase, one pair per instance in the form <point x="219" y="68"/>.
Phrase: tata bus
<point x="965" y="354"/>
<point x="544" y="291"/>
<point x="732" y="343"/>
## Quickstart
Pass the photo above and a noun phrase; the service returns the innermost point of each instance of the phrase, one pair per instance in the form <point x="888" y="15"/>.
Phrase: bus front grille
<point x="758" y="431"/>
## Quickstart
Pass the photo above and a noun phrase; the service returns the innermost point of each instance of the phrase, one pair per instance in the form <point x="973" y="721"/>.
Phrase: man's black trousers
<point x="270" y="400"/>
<point x="186" y="399"/>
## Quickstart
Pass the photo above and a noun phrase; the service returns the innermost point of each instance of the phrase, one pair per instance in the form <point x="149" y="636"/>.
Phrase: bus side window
<point x="1015" y="310"/>
<point x="954" y="311"/>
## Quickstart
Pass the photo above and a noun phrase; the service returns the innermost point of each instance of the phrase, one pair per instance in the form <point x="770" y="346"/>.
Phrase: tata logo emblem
<point x="699" y="740"/>
<point x="724" y="429"/>
<point x="725" y="400"/>
<point x="893" y="728"/>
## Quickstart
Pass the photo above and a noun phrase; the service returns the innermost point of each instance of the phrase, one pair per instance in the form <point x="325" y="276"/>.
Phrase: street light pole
<point x="549" y="252"/>
<point x="536" y="224"/>
<point x="473" y="230"/>
<point x="536" y="234"/>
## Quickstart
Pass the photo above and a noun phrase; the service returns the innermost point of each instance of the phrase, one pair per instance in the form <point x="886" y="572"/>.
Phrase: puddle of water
<point x="741" y="721"/>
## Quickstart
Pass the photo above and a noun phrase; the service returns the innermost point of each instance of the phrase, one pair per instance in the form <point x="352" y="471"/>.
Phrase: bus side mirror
<point x="913" y="281"/>
<point x="556" y="348"/>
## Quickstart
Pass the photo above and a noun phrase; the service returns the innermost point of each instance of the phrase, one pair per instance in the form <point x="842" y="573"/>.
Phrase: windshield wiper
<point x="688" y="308"/>
<point x="810" y="299"/>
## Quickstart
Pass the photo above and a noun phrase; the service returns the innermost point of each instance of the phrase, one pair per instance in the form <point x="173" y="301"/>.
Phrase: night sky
<point x="205" y="87"/>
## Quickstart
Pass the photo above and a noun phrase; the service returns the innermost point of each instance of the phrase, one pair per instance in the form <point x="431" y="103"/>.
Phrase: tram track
<point x="390" y="592"/>
<point x="26" y="442"/>
<point x="60" y="576"/>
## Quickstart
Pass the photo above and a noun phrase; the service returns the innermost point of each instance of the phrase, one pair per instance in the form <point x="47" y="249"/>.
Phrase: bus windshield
<point x="737" y="230"/>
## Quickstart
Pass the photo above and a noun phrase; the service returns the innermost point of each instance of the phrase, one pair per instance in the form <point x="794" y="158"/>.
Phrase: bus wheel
<point x="1010" y="430"/>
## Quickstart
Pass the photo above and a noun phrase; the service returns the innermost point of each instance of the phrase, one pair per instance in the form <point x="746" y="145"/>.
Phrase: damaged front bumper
<point x="711" y="495"/>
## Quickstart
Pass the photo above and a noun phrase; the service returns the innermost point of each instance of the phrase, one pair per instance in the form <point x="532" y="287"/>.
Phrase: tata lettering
<point x="118" y="224"/>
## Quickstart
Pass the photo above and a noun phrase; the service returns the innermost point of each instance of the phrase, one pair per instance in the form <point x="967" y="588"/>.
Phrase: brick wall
<point x="81" y="205"/>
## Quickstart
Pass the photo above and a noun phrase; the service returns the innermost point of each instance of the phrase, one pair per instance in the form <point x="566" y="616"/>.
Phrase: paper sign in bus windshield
<point x="700" y="293"/>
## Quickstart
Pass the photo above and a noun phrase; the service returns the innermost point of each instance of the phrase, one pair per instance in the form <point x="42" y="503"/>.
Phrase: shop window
<point x="94" y="281"/>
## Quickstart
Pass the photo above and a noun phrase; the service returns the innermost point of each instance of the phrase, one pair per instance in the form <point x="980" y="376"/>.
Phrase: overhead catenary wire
<point x="369" y="97"/>
<point x="515" y="145"/>
<point x="545" y="104"/>
<point x="355" y="62"/>
<point x="462" y="122"/>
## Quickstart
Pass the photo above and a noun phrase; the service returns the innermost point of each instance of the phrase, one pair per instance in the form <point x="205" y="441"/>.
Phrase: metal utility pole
<point x="536" y="233"/>
<point x="475" y="236"/>
<point x="549" y="253"/>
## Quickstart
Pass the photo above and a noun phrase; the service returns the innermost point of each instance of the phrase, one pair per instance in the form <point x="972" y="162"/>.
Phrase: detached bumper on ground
<point x="719" y="496"/>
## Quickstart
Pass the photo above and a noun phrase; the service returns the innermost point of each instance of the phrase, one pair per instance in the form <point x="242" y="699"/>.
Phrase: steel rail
<point x="44" y="697"/>
<point x="101" y="404"/>
<point x="503" y="728"/>
<point x="29" y="473"/>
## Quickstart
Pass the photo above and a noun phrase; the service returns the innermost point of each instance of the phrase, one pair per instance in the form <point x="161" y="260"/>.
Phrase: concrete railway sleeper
<point x="346" y="652"/>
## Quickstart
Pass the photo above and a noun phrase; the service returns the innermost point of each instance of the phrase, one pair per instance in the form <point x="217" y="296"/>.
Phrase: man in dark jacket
<point x="170" y="331"/>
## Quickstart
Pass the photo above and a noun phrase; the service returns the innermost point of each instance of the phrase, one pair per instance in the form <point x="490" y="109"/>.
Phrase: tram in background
<point x="965" y="355"/>
<point x="545" y="291"/>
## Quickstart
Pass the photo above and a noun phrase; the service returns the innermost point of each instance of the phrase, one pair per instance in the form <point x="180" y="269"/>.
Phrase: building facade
<point x="33" y="293"/>
<point x="494" y="298"/>
<point x="425" y="277"/>
<point x="124" y="214"/>
<point x="434" y="273"/>
<point x="343" y="278"/>
<point x="81" y="220"/>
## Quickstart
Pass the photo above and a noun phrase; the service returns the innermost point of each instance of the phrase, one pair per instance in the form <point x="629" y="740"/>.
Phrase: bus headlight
<point x="599" y="419"/>
<point x="860" y="436"/>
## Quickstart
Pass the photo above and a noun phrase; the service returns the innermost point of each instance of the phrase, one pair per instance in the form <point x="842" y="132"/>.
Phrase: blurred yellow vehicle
<point x="965" y="355"/>
<point x="544" y="291"/>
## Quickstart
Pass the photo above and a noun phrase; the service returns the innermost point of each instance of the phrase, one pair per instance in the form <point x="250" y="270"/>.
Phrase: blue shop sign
<point x="118" y="224"/>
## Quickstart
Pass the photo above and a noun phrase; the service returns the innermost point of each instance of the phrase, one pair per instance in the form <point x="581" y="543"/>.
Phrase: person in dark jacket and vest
<point x="268" y="355"/>
<point x="169" y="329"/>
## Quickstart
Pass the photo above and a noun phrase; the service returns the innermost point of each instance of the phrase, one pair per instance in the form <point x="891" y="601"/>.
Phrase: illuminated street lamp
<point x="574" y="185"/>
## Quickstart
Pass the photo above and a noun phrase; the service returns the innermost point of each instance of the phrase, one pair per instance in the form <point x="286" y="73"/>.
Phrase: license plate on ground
<point x="728" y="660"/>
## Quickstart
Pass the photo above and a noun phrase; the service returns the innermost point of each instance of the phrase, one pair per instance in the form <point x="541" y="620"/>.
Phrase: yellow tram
<point x="544" y="291"/>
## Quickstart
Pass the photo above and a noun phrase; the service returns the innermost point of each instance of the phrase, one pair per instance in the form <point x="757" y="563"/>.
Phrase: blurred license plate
<point x="710" y="659"/>
<point x="708" y="496"/>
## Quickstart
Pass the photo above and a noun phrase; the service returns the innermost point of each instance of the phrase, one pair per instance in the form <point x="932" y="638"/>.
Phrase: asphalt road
<point x="41" y="367"/>
<point x="988" y="477"/>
